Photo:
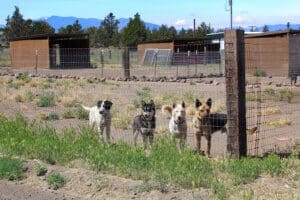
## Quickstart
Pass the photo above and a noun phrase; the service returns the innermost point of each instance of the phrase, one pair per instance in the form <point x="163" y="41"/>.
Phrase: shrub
<point x="46" y="99"/>
<point x="56" y="180"/>
<point x="53" y="116"/>
<point x="259" y="73"/>
<point x="10" y="168"/>
<point x="19" y="98"/>
<point x="25" y="77"/>
<point x="40" y="170"/>
<point x="68" y="114"/>
<point x="29" y="96"/>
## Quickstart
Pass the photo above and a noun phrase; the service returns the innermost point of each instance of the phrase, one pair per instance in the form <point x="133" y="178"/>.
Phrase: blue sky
<point x="178" y="13"/>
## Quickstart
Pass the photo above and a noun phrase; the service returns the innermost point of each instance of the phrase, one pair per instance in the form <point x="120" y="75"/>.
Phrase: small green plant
<point x="148" y="186"/>
<point x="56" y="180"/>
<point x="10" y="168"/>
<point x="270" y="92"/>
<point x="25" y="77"/>
<point x="40" y="170"/>
<point x="121" y="121"/>
<point x="29" y="96"/>
<point x="68" y="114"/>
<point x="19" y="98"/>
<point x="259" y="73"/>
<point x="52" y="116"/>
<point x="46" y="99"/>
<point x="80" y="113"/>
<point x="142" y="95"/>
<point x="11" y="84"/>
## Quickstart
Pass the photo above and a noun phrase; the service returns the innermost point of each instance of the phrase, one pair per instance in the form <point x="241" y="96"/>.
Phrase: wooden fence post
<point x="235" y="93"/>
<point x="126" y="64"/>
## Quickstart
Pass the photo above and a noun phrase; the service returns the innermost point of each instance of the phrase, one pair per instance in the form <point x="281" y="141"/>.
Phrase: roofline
<point x="273" y="33"/>
<point x="47" y="36"/>
<point x="176" y="40"/>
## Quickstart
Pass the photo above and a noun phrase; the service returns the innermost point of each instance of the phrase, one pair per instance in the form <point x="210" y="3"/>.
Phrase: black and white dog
<point x="100" y="116"/>
<point x="145" y="123"/>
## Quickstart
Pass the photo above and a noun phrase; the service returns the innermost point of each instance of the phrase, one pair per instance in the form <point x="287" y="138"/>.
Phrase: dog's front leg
<point x="145" y="138"/>
<point x="108" y="133"/>
<point x="198" y="142"/>
<point x="182" y="143"/>
<point x="100" y="131"/>
<point x="150" y="140"/>
<point x="208" y="138"/>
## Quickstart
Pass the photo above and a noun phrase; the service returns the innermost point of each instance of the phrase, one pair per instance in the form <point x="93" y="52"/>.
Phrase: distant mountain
<point x="57" y="22"/>
<point x="276" y="27"/>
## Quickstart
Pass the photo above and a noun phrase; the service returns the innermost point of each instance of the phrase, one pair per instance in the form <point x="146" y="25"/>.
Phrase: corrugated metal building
<point x="195" y="50"/>
<point x="50" y="51"/>
<point x="277" y="53"/>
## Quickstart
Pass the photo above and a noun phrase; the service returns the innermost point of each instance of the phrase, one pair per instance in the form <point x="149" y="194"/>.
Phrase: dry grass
<point x="162" y="130"/>
<point x="279" y="123"/>
<point x="271" y="111"/>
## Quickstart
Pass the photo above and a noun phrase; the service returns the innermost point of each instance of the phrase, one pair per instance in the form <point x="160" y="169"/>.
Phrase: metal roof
<point x="54" y="36"/>
<point x="273" y="33"/>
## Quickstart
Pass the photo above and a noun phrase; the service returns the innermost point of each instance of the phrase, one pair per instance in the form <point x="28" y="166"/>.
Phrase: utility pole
<point x="230" y="4"/>
<point x="194" y="33"/>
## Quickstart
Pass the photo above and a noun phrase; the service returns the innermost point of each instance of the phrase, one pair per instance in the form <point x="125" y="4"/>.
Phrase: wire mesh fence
<point x="53" y="96"/>
<point x="273" y="100"/>
<point x="49" y="86"/>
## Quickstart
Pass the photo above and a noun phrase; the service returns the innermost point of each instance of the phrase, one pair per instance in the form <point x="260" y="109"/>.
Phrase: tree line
<point x="106" y="35"/>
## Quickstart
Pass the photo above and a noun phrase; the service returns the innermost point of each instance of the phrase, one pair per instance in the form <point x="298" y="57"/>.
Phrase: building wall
<point x="23" y="53"/>
<point x="294" y="53"/>
<point x="268" y="53"/>
<point x="143" y="47"/>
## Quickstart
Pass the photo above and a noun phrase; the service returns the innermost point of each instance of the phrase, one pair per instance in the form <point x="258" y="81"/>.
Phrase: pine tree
<point x="108" y="30"/>
<point x="135" y="32"/>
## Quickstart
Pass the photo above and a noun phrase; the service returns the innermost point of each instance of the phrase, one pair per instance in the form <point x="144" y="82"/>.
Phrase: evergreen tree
<point x="14" y="25"/>
<point x="93" y="35"/>
<point x="74" y="28"/>
<point x="265" y="28"/>
<point x="109" y="31"/>
<point x="41" y="27"/>
<point x="135" y="32"/>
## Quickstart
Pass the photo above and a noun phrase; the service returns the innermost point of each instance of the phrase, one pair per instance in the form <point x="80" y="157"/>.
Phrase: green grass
<point x="40" y="170"/>
<point x="259" y="73"/>
<point x="164" y="165"/>
<point x="56" y="180"/>
<point x="10" y="168"/>
<point x="46" y="99"/>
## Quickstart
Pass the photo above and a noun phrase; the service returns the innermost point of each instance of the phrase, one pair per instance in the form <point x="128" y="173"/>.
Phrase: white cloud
<point x="239" y="19"/>
<point x="180" y="22"/>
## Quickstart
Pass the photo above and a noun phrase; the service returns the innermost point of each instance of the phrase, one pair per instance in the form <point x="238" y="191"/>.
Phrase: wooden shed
<point x="181" y="51"/>
<point x="277" y="53"/>
<point x="50" y="51"/>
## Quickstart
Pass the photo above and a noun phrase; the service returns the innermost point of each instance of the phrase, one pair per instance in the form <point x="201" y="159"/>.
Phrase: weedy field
<point x="43" y="130"/>
<point x="162" y="167"/>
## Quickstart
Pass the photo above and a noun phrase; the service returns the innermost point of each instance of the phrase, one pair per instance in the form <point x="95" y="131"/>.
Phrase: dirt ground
<point x="84" y="184"/>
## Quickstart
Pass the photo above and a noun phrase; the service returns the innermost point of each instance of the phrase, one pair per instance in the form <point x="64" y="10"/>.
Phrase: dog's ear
<point x="183" y="104"/>
<point x="174" y="105"/>
<point x="143" y="102"/>
<point x="99" y="103"/>
<point x="198" y="103"/>
<point x="166" y="110"/>
<point x="110" y="104"/>
<point x="152" y="103"/>
<point x="209" y="102"/>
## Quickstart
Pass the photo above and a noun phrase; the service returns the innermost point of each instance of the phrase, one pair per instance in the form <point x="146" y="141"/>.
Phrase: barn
<point x="50" y="51"/>
<point x="277" y="53"/>
<point x="179" y="51"/>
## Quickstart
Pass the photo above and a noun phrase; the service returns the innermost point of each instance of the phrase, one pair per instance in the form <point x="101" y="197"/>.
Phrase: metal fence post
<point x="126" y="64"/>
<point x="188" y="64"/>
<point x="155" y="62"/>
<point x="102" y="62"/>
<point x="235" y="93"/>
<point x="36" y="60"/>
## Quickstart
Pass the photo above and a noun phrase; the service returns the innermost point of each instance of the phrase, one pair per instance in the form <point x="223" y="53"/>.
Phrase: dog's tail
<point x="251" y="131"/>
<point x="166" y="110"/>
<point x="85" y="108"/>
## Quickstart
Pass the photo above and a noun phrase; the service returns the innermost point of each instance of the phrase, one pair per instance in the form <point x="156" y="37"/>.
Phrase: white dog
<point x="100" y="116"/>
<point x="177" y="123"/>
